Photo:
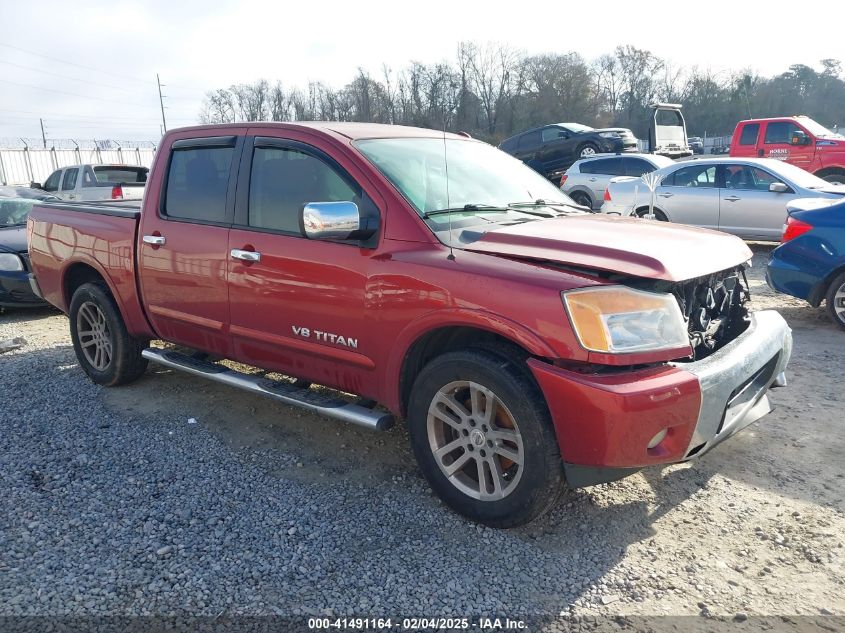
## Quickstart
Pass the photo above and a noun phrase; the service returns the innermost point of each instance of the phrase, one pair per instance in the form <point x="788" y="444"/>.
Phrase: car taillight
<point x="607" y="197"/>
<point x="563" y="179"/>
<point x="793" y="228"/>
<point x="117" y="192"/>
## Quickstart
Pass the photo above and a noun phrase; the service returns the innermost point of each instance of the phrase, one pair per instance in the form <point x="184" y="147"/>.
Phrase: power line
<point x="75" y="94"/>
<point x="87" y="81"/>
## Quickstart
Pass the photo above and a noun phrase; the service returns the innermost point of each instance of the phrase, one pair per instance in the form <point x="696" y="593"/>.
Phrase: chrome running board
<point x="328" y="406"/>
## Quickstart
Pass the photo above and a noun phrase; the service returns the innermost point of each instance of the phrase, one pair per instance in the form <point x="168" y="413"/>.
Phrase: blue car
<point x="810" y="264"/>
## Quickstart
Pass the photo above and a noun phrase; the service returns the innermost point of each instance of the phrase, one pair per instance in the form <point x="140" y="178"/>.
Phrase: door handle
<point x="593" y="179"/>
<point x="732" y="198"/>
<point x="155" y="240"/>
<point x="247" y="256"/>
<point x="666" y="195"/>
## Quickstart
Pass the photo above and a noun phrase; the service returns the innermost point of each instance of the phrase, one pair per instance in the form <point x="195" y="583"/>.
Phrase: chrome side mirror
<point x="778" y="187"/>
<point x="335" y="221"/>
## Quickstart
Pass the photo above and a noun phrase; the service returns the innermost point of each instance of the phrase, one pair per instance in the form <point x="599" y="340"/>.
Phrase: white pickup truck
<point x="97" y="182"/>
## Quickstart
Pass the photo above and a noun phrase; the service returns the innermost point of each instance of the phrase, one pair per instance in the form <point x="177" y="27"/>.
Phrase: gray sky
<point x="94" y="72"/>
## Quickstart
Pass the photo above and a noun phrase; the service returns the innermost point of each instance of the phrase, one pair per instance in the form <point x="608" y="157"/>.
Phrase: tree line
<point x="493" y="90"/>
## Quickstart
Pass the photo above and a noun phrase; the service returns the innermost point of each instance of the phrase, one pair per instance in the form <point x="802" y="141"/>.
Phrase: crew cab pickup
<point x="797" y="140"/>
<point x="512" y="331"/>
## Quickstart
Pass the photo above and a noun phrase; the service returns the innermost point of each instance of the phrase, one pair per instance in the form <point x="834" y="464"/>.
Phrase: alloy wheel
<point x="94" y="335"/>
<point x="839" y="303"/>
<point x="475" y="440"/>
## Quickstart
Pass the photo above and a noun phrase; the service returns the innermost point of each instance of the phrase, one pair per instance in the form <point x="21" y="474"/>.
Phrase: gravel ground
<point x="115" y="504"/>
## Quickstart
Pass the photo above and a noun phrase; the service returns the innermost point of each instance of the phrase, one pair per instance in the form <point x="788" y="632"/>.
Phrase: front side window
<point x="553" y="133"/>
<point x="780" y="131"/>
<point x="52" y="183"/>
<point x="197" y="182"/>
<point x="69" y="181"/>
<point x="284" y="180"/>
<point x="695" y="176"/>
<point x="749" y="134"/>
<point x="748" y="178"/>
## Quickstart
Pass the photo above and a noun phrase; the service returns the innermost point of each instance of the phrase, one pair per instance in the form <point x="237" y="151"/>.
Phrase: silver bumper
<point x="734" y="380"/>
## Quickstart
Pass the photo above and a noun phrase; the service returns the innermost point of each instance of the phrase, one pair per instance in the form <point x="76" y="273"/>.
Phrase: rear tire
<point x="658" y="214"/>
<point x="835" y="300"/>
<point x="105" y="350"/>
<point x="579" y="197"/>
<point x="495" y="419"/>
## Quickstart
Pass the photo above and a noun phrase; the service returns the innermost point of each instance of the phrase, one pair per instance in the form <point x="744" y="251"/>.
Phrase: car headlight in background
<point x="619" y="320"/>
<point x="10" y="262"/>
<point x="609" y="135"/>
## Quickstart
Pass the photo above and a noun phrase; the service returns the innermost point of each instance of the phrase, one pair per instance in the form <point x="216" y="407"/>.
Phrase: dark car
<point x="810" y="264"/>
<point x="553" y="148"/>
<point x="15" y="287"/>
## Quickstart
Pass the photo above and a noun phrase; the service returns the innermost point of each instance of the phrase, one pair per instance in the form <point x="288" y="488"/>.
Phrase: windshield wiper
<point x="466" y="207"/>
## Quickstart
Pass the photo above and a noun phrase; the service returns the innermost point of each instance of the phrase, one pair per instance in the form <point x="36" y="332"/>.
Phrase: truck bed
<point x="117" y="208"/>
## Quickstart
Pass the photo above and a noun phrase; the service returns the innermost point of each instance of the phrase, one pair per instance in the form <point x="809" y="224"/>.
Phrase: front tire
<point x="105" y="350"/>
<point x="835" y="300"/>
<point x="588" y="150"/>
<point x="483" y="438"/>
<point x="835" y="177"/>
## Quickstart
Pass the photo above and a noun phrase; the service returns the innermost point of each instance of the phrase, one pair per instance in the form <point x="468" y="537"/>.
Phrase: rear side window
<point x="197" y="182"/>
<point x="637" y="167"/>
<point x="284" y="180"/>
<point x="603" y="166"/>
<point x="529" y="140"/>
<point x="52" y="182"/>
<point x="749" y="134"/>
<point x="780" y="131"/>
<point x="695" y="176"/>
<point x="69" y="181"/>
<point x="508" y="145"/>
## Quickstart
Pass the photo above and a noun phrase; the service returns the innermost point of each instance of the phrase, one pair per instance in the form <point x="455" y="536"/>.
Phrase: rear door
<point x="747" y="207"/>
<point x="183" y="250"/>
<point x="746" y="145"/>
<point x="599" y="172"/>
<point x="301" y="307"/>
<point x="776" y="144"/>
<point x="690" y="195"/>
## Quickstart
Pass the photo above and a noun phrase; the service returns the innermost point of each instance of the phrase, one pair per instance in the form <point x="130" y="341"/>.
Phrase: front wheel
<point x="106" y="352"/>
<point x="835" y="300"/>
<point x="835" y="177"/>
<point x="658" y="214"/>
<point x="483" y="437"/>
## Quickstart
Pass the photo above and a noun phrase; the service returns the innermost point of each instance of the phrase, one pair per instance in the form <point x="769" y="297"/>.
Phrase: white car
<point x="97" y="182"/>
<point x="586" y="180"/>
<point x="743" y="196"/>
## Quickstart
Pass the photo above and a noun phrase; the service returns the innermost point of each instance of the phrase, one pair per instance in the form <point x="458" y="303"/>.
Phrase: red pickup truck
<point x="432" y="277"/>
<point x="797" y="140"/>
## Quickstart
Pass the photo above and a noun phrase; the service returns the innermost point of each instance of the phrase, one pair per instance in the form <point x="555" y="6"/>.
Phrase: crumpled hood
<point x="631" y="246"/>
<point x="13" y="239"/>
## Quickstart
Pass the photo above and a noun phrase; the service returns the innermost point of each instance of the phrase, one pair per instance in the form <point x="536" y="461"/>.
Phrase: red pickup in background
<point x="798" y="140"/>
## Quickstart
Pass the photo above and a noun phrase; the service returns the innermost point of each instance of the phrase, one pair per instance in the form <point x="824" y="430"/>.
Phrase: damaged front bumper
<point x="611" y="425"/>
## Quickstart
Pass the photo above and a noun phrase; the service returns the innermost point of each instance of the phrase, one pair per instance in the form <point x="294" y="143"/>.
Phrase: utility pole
<point x="161" y="103"/>
<point x="43" y="136"/>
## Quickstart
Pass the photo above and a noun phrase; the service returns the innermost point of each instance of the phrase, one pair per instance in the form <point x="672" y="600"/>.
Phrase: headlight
<point x="609" y="135"/>
<point x="618" y="320"/>
<point x="10" y="261"/>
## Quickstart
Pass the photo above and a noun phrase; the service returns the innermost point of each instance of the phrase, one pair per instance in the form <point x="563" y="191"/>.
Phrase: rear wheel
<point x="658" y="214"/>
<point x="835" y="300"/>
<point x="483" y="437"/>
<point x="106" y="352"/>
<point x="579" y="197"/>
<point x="588" y="150"/>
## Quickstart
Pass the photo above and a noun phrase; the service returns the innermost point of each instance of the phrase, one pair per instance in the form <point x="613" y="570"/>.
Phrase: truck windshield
<point x="433" y="174"/>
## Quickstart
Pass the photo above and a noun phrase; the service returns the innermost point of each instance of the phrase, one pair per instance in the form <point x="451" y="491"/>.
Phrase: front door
<point x="298" y="306"/>
<point x="183" y="249"/>
<point x="776" y="144"/>
<point x="747" y="207"/>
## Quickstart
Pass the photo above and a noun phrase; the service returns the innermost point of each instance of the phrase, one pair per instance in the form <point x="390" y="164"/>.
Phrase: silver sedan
<point x="743" y="196"/>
